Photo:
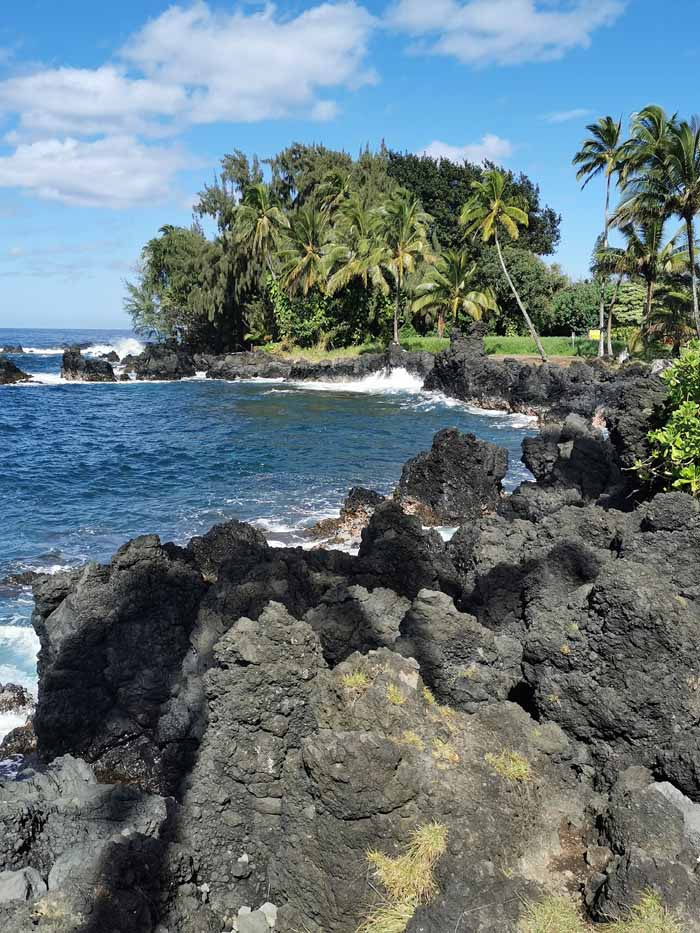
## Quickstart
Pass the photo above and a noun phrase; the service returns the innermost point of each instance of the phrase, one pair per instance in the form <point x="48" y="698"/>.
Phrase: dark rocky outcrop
<point x="14" y="349"/>
<point x="76" y="368"/>
<point x="162" y="361"/>
<point x="111" y="357"/>
<point x="11" y="374"/>
<point x="532" y="686"/>
<point x="455" y="481"/>
<point x="545" y="390"/>
<point x="258" y="365"/>
<point x="111" y="653"/>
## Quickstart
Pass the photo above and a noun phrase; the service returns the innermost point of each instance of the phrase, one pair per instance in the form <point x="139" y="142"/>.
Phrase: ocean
<point x="88" y="466"/>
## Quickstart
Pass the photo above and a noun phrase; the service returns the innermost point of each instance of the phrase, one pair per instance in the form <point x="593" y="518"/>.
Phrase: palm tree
<point x="304" y="251"/>
<point x="404" y="230"/>
<point x="446" y="290"/>
<point x="646" y="255"/>
<point x="488" y="209"/>
<point x="600" y="153"/>
<point x="669" y="319"/>
<point x="259" y="223"/>
<point x="664" y="178"/>
<point x="359" y="251"/>
<point x="682" y="180"/>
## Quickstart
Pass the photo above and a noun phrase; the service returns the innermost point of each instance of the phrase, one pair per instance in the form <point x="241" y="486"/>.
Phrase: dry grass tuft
<point x="357" y="681"/>
<point x="394" y="695"/>
<point x="552" y="915"/>
<point x="428" y="697"/>
<point x="511" y="766"/>
<point x="412" y="739"/>
<point x="649" y="916"/>
<point x="562" y="915"/>
<point x="391" y="918"/>
<point x="407" y="879"/>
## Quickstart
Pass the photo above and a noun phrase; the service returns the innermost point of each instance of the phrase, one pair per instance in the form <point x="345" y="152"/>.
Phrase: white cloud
<point x="78" y="133"/>
<point x="112" y="172"/>
<point x="86" y="102"/>
<point x="566" y="116"/>
<point x="249" y="67"/>
<point x="503" y="32"/>
<point x="491" y="148"/>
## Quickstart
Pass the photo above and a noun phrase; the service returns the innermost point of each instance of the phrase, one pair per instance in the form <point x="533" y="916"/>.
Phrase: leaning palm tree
<point x="601" y="153"/>
<point x="489" y="209"/>
<point x="404" y="230"/>
<point x="304" y="251"/>
<point x="259" y="223"/>
<point x="447" y="290"/>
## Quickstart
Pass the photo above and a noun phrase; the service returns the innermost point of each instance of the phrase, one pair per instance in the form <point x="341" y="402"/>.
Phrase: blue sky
<point x="113" y="116"/>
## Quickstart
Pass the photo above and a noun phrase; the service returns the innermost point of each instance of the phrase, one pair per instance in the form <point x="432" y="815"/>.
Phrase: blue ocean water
<point x="86" y="467"/>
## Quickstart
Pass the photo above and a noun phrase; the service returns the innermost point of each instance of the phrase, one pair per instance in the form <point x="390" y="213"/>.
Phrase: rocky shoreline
<point x="225" y="730"/>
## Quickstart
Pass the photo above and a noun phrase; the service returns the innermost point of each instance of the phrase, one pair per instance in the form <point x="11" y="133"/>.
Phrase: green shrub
<point x="674" y="462"/>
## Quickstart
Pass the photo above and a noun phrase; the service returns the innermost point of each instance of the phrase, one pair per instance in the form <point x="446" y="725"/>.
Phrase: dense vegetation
<point x="657" y="171"/>
<point x="313" y="248"/>
<point x="675" y="446"/>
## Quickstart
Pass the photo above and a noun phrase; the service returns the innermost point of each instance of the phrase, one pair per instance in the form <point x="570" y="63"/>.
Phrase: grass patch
<point x="561" y="915"/>
<point x="511" y="766"/>
<point x="394" y="695"/>
<point x="552" y="915"/>
<point x="412" y="740"/>
<point x="408" y="879"/>
<point x="649" y="916"/>
<point x="554" y="346"/>
<point x="429" y="697"/>
<point x="391" y="918"/>
<point x="356" y="681"/>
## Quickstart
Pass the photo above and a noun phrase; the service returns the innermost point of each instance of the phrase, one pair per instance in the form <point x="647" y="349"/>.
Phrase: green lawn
<point x="501" y="346"/>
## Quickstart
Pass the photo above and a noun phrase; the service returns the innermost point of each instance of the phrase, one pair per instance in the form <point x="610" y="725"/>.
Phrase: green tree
<point x="159" y="301"/>
<point x="442" y="187"/>
<point x="405" y="233"/>
<point x="489" y="209"/>
<point x="304" y="251"/>
<point x="448" y="290"/>
<point x="601" y="153"/>
<point x="259" y="224"/>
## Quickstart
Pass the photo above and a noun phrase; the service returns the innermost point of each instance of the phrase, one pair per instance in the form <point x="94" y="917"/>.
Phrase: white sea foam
<point x="10" y="721"/>
<point x="122" y="347"/>
<point x="384" y="382"/>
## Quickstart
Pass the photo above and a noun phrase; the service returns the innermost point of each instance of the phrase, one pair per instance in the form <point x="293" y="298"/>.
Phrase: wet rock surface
<point x="455" y="481"/>
<point x="223" y="731"/>
<point x="162" y="361"/>
<point x="11" y="374"/>
<point x="77" y="368"/>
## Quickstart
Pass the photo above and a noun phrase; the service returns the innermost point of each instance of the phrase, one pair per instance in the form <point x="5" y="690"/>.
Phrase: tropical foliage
<point x="675" y="446"/>
<point x="312" y="246"/>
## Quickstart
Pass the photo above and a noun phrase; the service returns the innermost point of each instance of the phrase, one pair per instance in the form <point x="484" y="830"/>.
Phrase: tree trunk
<point x="441" y="324"/>
<point x="397" y="308"/>
<point x="601" y="317"/>
<point x="693" y="272"/>
<point x="610" y="313"/>
<point x="530" y="326"/>
<point x="648" y="303"/>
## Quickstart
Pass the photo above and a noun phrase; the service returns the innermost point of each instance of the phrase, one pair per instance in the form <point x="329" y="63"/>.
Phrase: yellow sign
<point x="594" y="335"/>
